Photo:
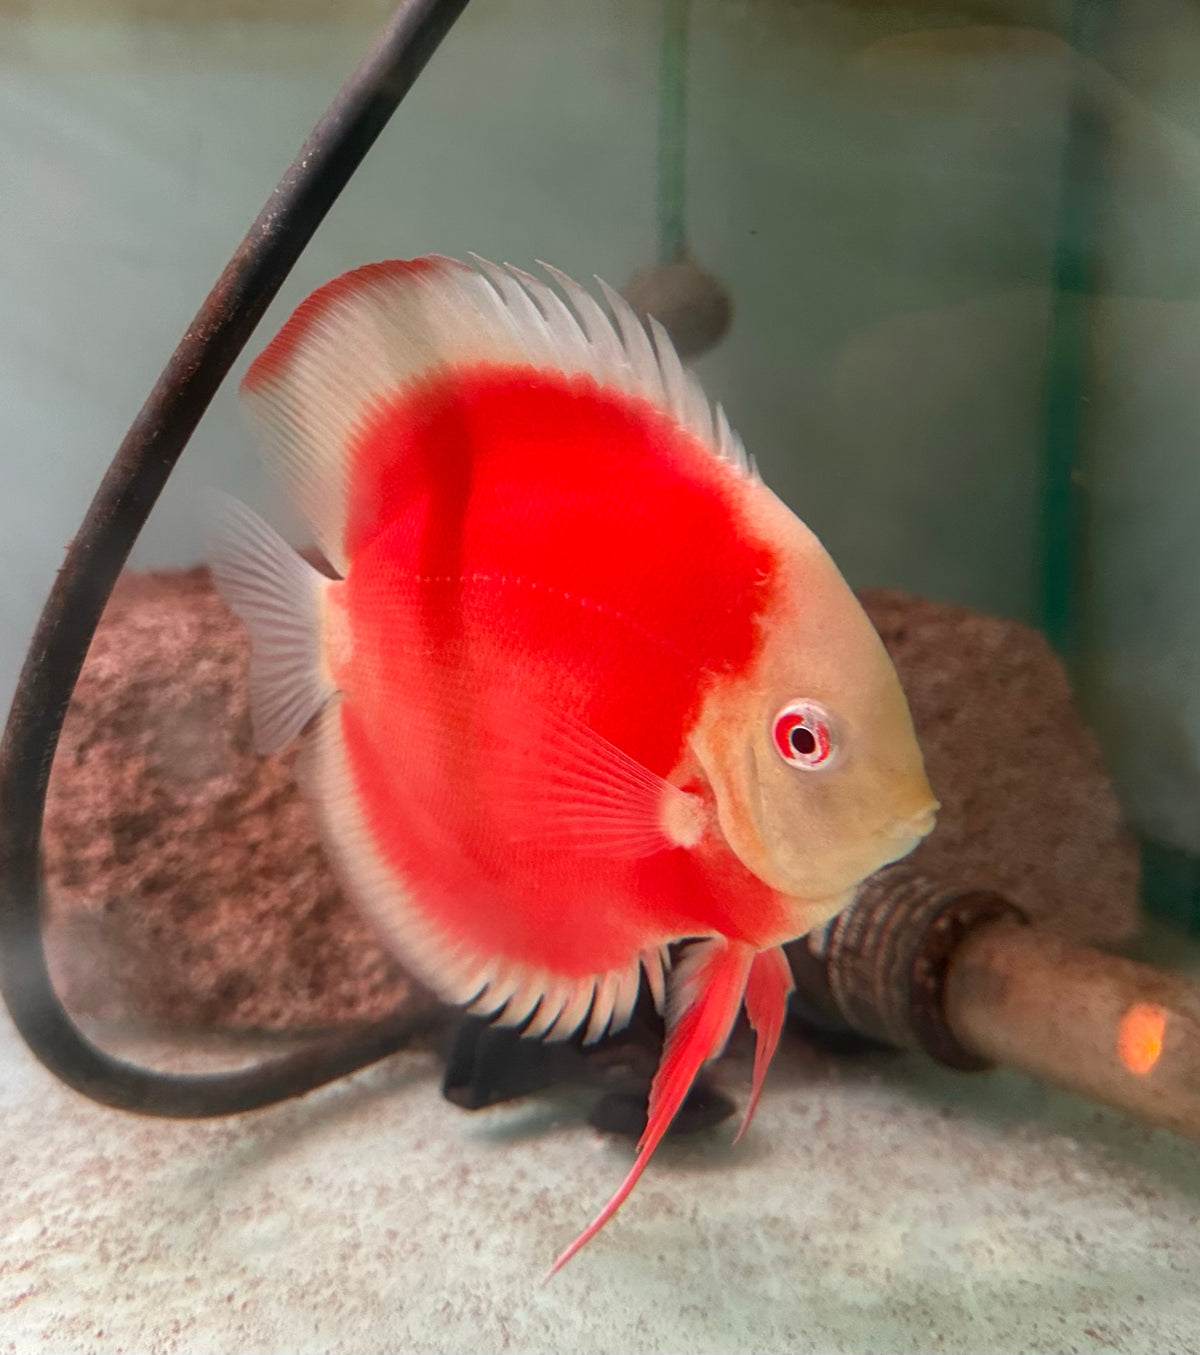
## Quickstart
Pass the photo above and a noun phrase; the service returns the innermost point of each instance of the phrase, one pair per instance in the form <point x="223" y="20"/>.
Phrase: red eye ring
<point x="803" y="735"/>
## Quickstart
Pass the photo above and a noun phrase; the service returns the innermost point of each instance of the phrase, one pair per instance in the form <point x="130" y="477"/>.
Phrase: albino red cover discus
<point x="583" y="687"/>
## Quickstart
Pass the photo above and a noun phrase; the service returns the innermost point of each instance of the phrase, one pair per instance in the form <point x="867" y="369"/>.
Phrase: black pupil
<point x="803" y="741"/>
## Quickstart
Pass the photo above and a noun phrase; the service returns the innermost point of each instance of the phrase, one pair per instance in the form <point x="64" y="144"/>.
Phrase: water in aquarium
<point x="565" y="748"/>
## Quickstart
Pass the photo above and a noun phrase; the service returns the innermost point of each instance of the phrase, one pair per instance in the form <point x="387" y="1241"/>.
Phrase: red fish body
<point x="562" y="597"/>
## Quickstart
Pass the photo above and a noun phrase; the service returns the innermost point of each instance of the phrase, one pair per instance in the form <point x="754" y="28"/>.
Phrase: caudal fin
<point x="279" y="597"/>
<point x="705" y="997"/>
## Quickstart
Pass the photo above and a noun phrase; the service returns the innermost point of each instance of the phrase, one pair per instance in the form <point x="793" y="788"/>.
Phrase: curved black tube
<point x="96" y="556"/>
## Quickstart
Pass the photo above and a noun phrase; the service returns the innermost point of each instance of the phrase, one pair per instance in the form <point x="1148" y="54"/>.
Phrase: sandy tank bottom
<point x="880" y="1204"/>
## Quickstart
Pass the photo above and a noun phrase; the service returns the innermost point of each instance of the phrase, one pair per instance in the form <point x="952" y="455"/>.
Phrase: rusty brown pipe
<point x="963" y="975"/>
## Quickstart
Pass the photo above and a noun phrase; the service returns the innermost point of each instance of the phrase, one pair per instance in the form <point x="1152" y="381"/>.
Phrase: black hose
<point x="95" y="558"/>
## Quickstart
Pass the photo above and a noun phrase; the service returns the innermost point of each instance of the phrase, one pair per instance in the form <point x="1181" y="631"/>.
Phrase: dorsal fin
<point x="361" y="338"/>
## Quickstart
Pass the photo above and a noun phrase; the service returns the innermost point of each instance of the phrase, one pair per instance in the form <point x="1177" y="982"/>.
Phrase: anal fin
<point x="708" y="989"/>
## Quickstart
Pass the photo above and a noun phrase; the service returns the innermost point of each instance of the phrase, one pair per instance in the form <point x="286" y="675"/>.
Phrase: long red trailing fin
<point x="767" y="991"/>
<point x="711" y="986"/>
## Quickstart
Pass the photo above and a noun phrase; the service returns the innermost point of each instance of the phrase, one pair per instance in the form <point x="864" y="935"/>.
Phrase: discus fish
<point x="585" y="686"/>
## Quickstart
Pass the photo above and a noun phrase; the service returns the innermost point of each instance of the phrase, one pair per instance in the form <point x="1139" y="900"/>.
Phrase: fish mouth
<point x="922" y="824"/>
<point x="915" y="826"/>
<point x="892" y="843"/>
<point x="907" y="835"/>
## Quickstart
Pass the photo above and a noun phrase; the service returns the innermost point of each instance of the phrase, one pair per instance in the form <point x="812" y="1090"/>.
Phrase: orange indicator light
<point x="1140" y="1036"/>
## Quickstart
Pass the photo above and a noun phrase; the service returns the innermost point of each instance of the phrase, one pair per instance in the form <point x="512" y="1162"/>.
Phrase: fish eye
<point x="803" y="735"/>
